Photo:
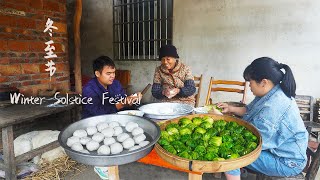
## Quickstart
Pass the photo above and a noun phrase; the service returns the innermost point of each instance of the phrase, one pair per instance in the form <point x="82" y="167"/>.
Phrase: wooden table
<point x="15" y="114"/>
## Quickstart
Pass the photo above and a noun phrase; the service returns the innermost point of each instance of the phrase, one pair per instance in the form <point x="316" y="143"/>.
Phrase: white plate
<point x="132" y="112"/>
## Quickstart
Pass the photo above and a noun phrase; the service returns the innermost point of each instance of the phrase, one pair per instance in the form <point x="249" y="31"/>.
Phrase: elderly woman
<point x="173" y="80"/>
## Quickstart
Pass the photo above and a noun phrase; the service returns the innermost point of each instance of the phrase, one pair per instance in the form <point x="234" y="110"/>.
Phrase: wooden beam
<point x="35" y="152"/>
<point x="77" y="45"/>
<point x="113" y="173"/>
<point x="8" y="153"/>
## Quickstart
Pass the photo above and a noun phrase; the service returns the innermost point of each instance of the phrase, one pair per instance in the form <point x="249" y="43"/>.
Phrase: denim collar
<point x="258" y="103"/>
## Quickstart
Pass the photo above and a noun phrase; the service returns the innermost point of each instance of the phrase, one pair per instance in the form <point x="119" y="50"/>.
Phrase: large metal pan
<point x="151" y="129"/>
<point x="155" y="110"/>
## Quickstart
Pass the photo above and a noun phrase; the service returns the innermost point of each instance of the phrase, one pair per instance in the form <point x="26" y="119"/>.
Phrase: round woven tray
<point x="211" y="166"/>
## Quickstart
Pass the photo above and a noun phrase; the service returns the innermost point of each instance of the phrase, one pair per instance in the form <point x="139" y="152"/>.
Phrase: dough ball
<point x="105" y="150"/>
<point x="144" y="143"/>
<point x="117" y="130"/>
<point x="102" y="126"/>
<point x="123" y="136"/>
<point x="91" y="130"/>
<point x="131" y="125"/>
<point x="138" y="139"/>
<point x="108" y="132"/>
<point x="72" y="140"/>
<point x="109" y="140"/>
<point x="136" y="131"/>
<point x="114" y="124"/>
<point x="77" y="146"/>
<point x="116" y="148"/>
<point x="84" y="151"/>
<point x="128" y="143"/>
<point x="134" y="148"/>
<point x="84" y="140"/>
<point x="92" y="145"/>
<point x="80" y="133"/>
<point x="98" y="137"/>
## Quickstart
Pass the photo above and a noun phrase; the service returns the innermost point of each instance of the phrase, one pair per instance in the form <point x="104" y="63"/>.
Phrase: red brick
<point x="40" y="76"/>
<point x="43" y="68"/>
<point x="3" y="79"/>
<point x="8" y="70"/>
<point x="19" y="7"/>
<point x="27" y="37"/>
<point x="59" y="47"/>
<point x="8" y="29"/>
<point x="62" y="78"/>
<point x="37" y="46"/>
<point x="50" y="5"/>
<point x="62" y="27"/>
<point x="26" y="23"/>
<point x="8" y="36"/>
<point x="63" y="7"/>
<point x="27" y="91"/>
<point x="18" y="45"/>
<point x="7" y="20"/>
<point x="23" y="77"/>
<point x="36" y="4"/>
<point x="28" y="83"/>
<point x="4" y="60"/>
<point x="3" y="45"/>
<point x="62" y="66"/>
<point x="30" y="68"/>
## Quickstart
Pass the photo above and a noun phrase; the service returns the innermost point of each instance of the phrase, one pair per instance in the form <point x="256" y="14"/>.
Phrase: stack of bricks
<point x="22" y="45"/>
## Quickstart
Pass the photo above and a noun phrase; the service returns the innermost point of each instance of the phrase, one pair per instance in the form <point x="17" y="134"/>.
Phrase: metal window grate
<point x="140" y="27"/>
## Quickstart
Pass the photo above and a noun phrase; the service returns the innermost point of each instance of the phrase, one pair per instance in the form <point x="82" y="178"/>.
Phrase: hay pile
<point x="57" y="169"/>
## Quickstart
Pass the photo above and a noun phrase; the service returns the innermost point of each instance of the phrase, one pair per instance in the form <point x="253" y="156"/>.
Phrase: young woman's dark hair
<point x="102" y="61"/>
<point x="267" y="68"/>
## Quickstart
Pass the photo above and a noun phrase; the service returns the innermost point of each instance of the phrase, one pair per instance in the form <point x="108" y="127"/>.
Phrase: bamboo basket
<point x="211" y="166"/>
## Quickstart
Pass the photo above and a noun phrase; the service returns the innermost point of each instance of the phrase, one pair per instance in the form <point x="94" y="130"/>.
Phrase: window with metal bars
<point x="140" y="28"/>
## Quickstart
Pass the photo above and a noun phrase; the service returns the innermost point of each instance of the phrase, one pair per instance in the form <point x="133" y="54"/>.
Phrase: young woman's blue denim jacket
<point x="283" y="132"/>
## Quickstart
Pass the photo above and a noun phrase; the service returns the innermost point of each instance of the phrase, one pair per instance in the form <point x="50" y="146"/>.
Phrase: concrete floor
<point x="139" y="171"/>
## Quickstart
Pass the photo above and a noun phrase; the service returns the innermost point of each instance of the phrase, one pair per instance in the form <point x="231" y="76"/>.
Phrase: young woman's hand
<point x="225" y="107"/>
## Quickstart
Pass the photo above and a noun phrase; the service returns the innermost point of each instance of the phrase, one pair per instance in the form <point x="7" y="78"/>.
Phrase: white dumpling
<point x="136" y="131"/>
<point x="128" y="143"/>
<point x="84" y="151"/>
<point x="92" y="145"/>
<point x="105" y="150"/>
<point x="114" y="124"/>
<point x="144" y="143"/>
<point x="138" y="139"/>
<point x="77" y="146"/>
<point x="80" y="133"/>
<point x="98" y="137"/>
<point x="102" y="126"/>
<point x="117" y="130"/>
<point x="131" y="125"/>
<point x="109" y="140"/>
<point x="134" y="148"/>
<point x="84" y="140"/>
<point x="122" y="137"/>
<point x="108" y="132"/>
<point x="116" y="148"/>
<point x="72" y="140"/>
<point x="91" y="130"/>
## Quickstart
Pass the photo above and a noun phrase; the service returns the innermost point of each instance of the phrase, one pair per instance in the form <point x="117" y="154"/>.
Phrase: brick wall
<point x="22" y="44"/>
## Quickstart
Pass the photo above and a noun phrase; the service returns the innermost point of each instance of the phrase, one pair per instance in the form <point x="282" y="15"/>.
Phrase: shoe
<point x="102" y="172"/>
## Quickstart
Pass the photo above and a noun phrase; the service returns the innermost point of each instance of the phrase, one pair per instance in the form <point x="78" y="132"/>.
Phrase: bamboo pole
<point x="77" y="44"/>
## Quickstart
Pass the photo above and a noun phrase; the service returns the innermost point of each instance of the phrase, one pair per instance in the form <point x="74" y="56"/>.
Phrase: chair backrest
<point x="198" y="84"/>
<point x="219" y="85"/>
<point x="315" y="162"/>
<point x="305" y="104"/>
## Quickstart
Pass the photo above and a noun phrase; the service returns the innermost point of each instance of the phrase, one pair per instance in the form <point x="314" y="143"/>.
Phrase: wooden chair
<point x="198" y="83"/>
<point x="219" y="85"/>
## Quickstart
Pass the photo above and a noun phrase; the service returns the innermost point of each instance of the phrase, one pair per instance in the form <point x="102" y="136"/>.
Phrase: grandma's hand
<point x="173" y="92"/>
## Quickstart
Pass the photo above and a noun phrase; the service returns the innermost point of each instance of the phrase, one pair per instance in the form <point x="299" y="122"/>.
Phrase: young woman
<point x="275" y="114"/>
